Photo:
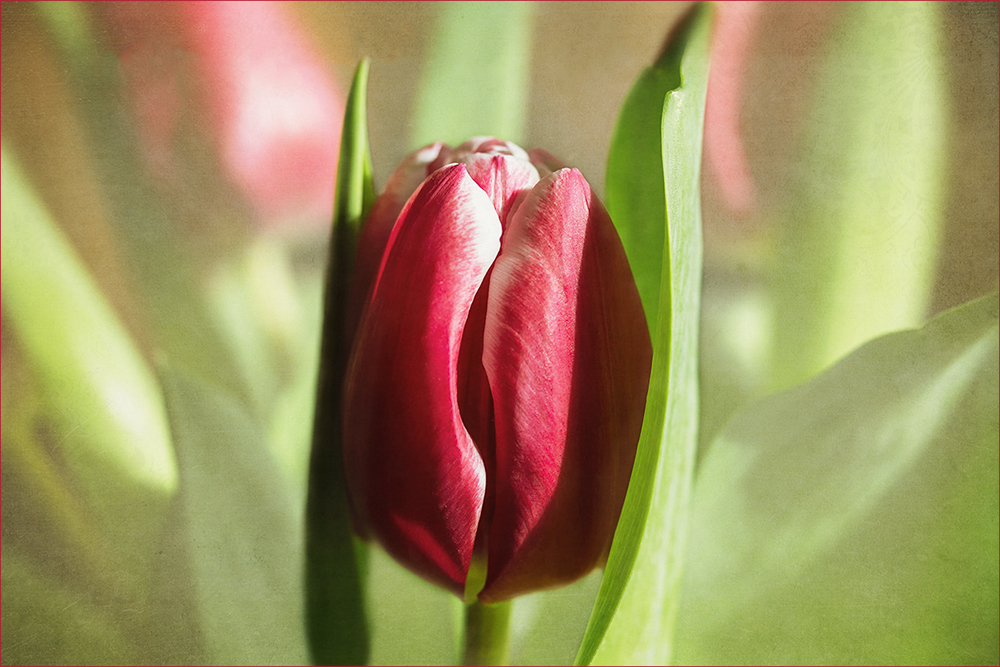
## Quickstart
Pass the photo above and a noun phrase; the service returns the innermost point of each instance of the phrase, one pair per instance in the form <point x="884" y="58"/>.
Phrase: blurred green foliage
<point x="859" y="241"/>
<point x="475" y="78"/>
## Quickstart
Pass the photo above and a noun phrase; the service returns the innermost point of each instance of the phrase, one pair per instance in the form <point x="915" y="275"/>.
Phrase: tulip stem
<point x="487" y="630"/>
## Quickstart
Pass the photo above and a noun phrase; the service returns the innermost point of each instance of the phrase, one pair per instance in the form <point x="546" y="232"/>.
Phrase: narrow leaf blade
<point x="336" y="624"/>
<point x="633" y="616"/>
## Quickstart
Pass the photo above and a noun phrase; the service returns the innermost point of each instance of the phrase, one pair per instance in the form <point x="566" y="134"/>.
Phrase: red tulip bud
<point x="496" y="387"/>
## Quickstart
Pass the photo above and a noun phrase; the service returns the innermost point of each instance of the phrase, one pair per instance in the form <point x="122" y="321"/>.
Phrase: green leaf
<point x="636" y="197"/>
<point x="112" y="429"/>
<point x="857" y="253"/>
<point x="355" y="190"/>
<point x="238" y="530"/>
<point x="475" y="80"/>
<point x="336" y="622"/>
<point x="853" y="519"/>
<point x="633" y="616"/>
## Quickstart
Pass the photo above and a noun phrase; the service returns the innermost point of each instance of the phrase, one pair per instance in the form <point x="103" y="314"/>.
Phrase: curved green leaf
<point x="355" y="190"/>
<point x="633" y="616"/>
<point x="853" y="518"/>
<point x="636" y="197"/>
<point x="335" y="616"/>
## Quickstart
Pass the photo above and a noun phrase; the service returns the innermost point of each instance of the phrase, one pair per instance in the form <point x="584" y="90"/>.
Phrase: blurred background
<point x="176" y="163"/>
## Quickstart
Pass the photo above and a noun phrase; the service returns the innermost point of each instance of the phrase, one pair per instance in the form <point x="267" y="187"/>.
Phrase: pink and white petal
<point x="503" y="178"/>
<point x="489" y="146"/>
<point x="415" y="479"/>
<point x="401" y="185"/>
<point x="501" y="168"/>
<point x="567" y="352"/>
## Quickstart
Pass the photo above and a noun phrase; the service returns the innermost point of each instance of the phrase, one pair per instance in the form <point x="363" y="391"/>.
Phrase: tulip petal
<point x="243" y="78"/>
<point x="567" y="352"/>
<point x="501" y="169"/>
<point x="269" y="102"/>
<point x="415" y="478"/>
<point x="385" y="211"/>
<point x="503" y="178"/>
<point x="475" y="400"/>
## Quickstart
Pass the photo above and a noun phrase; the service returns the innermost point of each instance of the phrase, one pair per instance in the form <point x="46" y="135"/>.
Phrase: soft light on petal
<point x="415" y="478"/>
<point x="567" y="352"/>
<point x="500" y="168"/>
<point x="503" y="178"/>
<point x="403" y="182"/>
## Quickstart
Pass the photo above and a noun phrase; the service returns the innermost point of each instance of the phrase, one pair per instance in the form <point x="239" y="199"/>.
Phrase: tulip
<point x="496" y="384"/>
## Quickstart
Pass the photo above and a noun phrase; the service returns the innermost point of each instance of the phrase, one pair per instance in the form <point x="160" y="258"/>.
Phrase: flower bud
<point x="495" y="390"/>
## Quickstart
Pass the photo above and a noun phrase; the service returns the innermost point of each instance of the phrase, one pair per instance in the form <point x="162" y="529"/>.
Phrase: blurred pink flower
<point x="725" y="155"/>
<point x="245" y="78"/>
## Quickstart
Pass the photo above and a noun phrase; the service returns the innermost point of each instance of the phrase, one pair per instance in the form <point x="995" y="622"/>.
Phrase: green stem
<point x="487" y="631"/>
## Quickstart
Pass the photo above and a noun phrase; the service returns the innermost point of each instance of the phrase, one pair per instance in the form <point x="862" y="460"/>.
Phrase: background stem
<point x="487" y="633"/>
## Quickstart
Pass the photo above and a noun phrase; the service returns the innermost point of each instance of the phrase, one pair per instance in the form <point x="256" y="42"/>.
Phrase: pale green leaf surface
<point x="636" y="199"/>
<point x="633" y="616"/>
<point x="857" y="253"/>
<point x="239" y="530"/>
<point x="475" y="80"/>
<point x="853" y="519"/>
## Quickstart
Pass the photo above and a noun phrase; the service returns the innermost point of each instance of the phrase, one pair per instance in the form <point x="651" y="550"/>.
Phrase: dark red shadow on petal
<point x="415" y="478"/>
<point x="561" y="484"/>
